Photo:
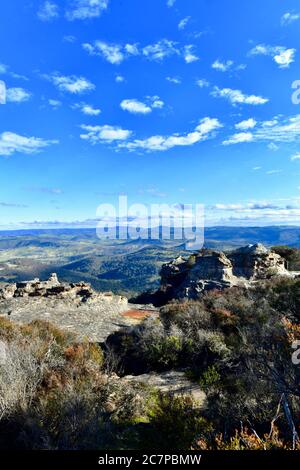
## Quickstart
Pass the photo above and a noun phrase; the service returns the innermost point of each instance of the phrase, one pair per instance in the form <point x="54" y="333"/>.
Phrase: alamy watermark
<point x="296" y="93"/>
<point x="183" y="222"/>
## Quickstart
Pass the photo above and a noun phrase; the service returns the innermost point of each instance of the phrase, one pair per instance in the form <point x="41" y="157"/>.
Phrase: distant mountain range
<point x="122" y="266"/>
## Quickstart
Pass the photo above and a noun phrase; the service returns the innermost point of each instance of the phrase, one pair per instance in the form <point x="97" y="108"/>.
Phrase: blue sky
<point x="166" y="101"/>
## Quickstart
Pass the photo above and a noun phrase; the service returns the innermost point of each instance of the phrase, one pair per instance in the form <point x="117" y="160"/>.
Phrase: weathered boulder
<point x="209" y="269"/>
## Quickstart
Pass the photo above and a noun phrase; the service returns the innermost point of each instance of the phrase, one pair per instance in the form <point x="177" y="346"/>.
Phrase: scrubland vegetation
<point x="237" y="345"/>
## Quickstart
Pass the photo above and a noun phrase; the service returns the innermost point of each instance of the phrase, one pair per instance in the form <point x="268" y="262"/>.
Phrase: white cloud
<point x="106" y="133"/>
<point x="17" y="95"/>
<point x="54" y="103"/>
<point x="85" y="9"/>
<point x="116" y="53"/>
<point x="222" y="66"/>
<point x="246" y="124"/>
<point x="272" y="146"/>
<point x="182" y="24"/>
<point x="273" y="172"/>
<point x="289" y="18"/>
<point x="132" y="49"/>
<point x="113" y="53"/>
<point x="71" y="84"/>
<point x="205" y="129"/>
<point x="157" y="103"/>
<point x="296" y="156"/>
<point x="11" y="143"/>
<point x="238" y="97"/>
<point x="88" y="109"/>
<point x="276" y="130"/>
<point x="138" y="107"/>
<point x="170" y="3"/>
<point x="135" y="107"/>
<point x="175" y="80"/>
<point x="281" y="55"/>
<point x="119" y="79"/>
<point x="48" y="11"/>
<point x="284" y="130"/>
<point x="161" y="49"/>
<point x="202" y="83"/>
<point x="239" y="138"/>
<point x="285" y="58"/>
<point x="189" y="55"/>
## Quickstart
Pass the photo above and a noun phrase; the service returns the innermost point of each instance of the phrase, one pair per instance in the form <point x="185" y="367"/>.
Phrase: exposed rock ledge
<point x="174" y="382"/>
<point x="74" y="307"/>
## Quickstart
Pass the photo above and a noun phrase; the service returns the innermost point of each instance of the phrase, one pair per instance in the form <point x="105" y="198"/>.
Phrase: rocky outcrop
<point x="72" y="292"/>
<point x="75" y="307"/>
<point x="209" y="269"/>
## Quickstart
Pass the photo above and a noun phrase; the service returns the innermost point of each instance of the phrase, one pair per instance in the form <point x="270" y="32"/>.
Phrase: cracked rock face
<point x="208" y="269"/>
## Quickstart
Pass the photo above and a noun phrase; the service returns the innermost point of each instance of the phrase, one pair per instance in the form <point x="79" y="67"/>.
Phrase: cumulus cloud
<point x="182" y="24"/>
<point x="106" y="133"/>
<point x="160" y="50"/>
<point x="17" y="95"/>
<point x="189" y="54"/>
<point x="289" y="18"/>
<point x="113" y="53"/>
<point x="237" y="96"/>
<point x="54" y="103"/>
<point x="175" y="80"/>
<point x="132" y="49"/>
<point x="282" y="56"/>
<point x="222" y="66"/>
<point x="239" y="138"/>
<point x="119" y="79"/>
<point x="296" y="156"/>
<point x="87" y="109"/>
<point x="86" y="9"/>
<point x="71" y="84"/>
<point x="48" y="11"/>
<point x="275" y="130"/>
<point x="156" y="102"/>
<point x="246" y="124"/>
<point x="138" y="107"/>
<point x="135" y="107"/>
<point x="204" y="130"/>
<point x="11" y="143"/>
<point x="202" y="83"/>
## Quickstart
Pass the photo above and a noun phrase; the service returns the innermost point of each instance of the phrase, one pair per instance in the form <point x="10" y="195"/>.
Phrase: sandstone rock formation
<point x="75" y="307"/>
<point x="208" y="269"/>
<point x="72" y="292"/>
